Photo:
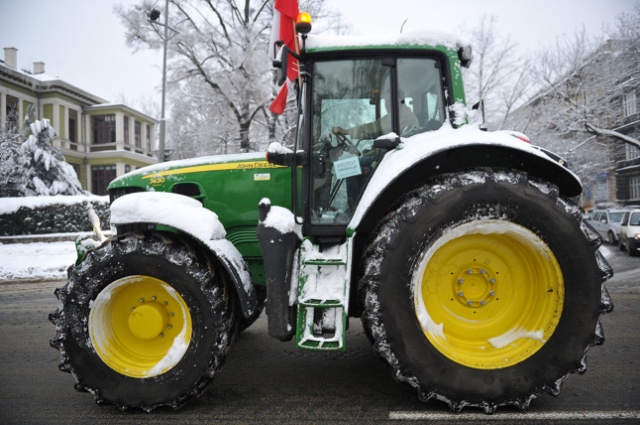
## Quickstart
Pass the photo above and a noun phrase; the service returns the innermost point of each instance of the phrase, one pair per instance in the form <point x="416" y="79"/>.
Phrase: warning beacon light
<point x="303" y="23"/>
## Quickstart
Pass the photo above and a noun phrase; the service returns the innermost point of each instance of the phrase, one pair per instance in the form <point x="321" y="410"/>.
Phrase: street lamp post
<point x="153" y="16"/>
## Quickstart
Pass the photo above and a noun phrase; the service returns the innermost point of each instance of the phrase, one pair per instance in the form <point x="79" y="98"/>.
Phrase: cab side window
<point x="420" y="85"/>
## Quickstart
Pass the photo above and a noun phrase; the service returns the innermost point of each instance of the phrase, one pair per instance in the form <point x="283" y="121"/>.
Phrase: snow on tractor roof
<point x="409" y="39"/>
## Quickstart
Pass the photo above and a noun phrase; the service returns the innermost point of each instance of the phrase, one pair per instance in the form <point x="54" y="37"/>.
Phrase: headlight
<point x="636" y="236"/>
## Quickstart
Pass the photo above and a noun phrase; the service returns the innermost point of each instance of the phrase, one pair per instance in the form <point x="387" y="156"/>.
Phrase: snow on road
<point x="36" y="261"/>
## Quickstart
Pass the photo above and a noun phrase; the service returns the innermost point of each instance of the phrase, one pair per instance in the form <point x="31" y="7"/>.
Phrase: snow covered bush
<point x="50" y="214"/>
<point x="31" y="166"/>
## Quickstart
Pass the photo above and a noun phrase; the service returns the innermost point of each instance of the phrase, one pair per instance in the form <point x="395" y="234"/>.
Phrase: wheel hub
<point x="148" y="321"/>
<point x="476" y="287"/>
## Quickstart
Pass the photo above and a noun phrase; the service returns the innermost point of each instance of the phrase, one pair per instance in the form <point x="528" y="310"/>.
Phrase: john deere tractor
<point x="462" y="251"/>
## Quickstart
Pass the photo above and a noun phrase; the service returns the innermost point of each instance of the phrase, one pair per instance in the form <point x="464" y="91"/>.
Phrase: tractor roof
<point x="410" y="40"/>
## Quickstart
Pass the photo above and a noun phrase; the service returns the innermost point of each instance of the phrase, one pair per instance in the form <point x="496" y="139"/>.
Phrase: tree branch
<point x="612" y="133"/>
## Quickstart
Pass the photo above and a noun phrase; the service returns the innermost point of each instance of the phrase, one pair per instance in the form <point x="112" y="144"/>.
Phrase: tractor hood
<point x="158" y="174"/>
<point x="230" y="185"/>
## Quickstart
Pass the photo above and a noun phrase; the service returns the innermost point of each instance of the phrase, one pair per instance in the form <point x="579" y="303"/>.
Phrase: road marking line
<point x="549" y="416"/>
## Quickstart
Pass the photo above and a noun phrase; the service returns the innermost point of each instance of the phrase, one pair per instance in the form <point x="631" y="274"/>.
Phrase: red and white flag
<point x="284" y="28"/>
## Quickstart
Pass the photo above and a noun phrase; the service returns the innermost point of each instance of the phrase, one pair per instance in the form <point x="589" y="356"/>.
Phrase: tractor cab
<point x="347" y="104"/>
<point x="354" y="103"/>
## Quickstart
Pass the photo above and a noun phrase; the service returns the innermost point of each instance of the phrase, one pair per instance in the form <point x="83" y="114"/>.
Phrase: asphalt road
<point x="266" y="381"/>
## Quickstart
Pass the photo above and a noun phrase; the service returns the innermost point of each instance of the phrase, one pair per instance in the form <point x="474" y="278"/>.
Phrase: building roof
<point x="43" y="83"/>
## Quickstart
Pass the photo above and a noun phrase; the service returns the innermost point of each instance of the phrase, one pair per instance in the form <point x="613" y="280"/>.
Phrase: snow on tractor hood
<point x="414" y="149"/>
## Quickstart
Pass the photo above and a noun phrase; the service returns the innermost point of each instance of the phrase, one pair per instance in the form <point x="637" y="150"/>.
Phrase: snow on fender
<point x="169" y="209"/>
<point x="188" y="215"/>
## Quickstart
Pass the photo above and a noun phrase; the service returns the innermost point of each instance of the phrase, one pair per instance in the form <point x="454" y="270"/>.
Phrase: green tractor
<point x="463" y="251"/>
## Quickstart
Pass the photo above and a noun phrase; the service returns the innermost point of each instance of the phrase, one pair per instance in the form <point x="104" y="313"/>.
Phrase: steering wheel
<point x="347" y="144"/>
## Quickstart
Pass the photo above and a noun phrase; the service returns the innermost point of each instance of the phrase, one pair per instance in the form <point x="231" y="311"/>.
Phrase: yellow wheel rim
<point x="140" y="326"/>
<point x="488" y="294"/>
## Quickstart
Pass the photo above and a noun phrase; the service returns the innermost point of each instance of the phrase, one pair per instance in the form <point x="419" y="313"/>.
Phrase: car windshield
<point x="635" y="219"/>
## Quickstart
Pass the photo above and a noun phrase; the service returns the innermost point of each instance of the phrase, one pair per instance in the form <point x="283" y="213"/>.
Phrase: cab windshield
<point x="352" y="105"/>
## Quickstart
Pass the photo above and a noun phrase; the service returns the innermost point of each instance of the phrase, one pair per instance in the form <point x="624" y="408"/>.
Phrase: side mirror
<point x="465" y="55"/>
<point x="281" y="61"/>
<point x="279" y="155"/>
<point x="384" y="143"/>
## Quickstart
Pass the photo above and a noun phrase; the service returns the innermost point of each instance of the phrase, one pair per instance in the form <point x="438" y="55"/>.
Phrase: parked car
<point x="607" y="223"/>
<point x="630" y="232"/>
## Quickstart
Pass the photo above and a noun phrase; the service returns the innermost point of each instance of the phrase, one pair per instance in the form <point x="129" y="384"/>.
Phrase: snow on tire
<point x="143" y="322"/>
<point x="484" y="289"/>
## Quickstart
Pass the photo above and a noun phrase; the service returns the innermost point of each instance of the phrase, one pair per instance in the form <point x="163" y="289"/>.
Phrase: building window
<point x="148" y="138"/>
<point x="73" y="129"/>
<point x="629" y="104"/>
<point x="101" y="176"/>
<point x="634" y="187"/>
<point x="12" y="114"/>
<point x="632" y="152"/>
<point x="104" y="129"/>
<point x="126" y="130"/>
<point x="138" y="135"/>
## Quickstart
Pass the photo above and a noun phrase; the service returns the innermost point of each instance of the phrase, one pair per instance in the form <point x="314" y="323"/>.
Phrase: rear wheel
<point x="143" y="322"/>
<point x="484" y="289"/>
<point x="611" y="237"/>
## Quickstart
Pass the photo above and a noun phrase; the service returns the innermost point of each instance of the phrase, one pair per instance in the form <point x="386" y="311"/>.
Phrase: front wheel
<point x="484" y="289"/>
<point x="143" y="322"/>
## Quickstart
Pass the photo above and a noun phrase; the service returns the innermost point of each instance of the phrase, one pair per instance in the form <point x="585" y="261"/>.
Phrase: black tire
<point x="450" y="208"/>
<point x="611" y="238"/>
<point x="187" y="291"/>
<point x="631" y="248"/>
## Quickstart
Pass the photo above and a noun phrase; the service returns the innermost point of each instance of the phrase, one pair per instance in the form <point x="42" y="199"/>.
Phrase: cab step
<point x="323" y="296"/>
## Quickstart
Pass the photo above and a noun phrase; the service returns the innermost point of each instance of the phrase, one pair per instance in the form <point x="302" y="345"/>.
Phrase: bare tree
<point x="497" y="75"/>
<point x="577" y="107"/>
<point x="574" y="82"/>
<point x="220" y="76"/>
<point x="627" y="72"/>
<point x="628" y="28"/>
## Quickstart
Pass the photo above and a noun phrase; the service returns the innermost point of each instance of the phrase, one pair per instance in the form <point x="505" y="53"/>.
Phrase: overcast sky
<point x="82" y="41"/>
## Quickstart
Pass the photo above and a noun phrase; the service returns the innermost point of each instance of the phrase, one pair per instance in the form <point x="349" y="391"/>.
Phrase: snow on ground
<point x="49" y="260"/>
<point x="36" y="260"/>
